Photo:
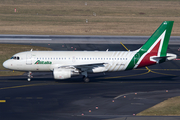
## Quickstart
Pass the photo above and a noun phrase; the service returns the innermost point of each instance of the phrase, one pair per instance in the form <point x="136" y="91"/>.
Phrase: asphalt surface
<point x="79" y="39"/>
<point x="113" y="96"/>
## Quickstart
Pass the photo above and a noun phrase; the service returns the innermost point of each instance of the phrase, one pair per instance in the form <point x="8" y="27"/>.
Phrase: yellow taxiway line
<point x="125" y="76"/>
<point x="124" y="46"/>
<point x="161" y="69"/>
<point x="21" y="86"/>
<point x="137" y="74"/>
<point x="2" y="101"/>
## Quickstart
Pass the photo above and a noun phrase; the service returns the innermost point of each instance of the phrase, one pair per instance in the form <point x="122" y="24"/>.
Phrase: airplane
<point x="65" y="64"/>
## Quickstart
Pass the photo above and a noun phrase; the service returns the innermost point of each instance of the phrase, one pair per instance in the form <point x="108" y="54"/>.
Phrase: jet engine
<point x="63" y="73"/>
<point x="99" y="69"/>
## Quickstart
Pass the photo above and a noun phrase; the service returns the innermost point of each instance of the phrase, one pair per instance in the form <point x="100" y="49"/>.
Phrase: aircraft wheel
<point x="29" y="79"/>
<point x="86" y="80"/>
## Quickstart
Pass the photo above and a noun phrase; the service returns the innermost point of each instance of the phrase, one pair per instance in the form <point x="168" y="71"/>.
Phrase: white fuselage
<point x="49" y="60"/>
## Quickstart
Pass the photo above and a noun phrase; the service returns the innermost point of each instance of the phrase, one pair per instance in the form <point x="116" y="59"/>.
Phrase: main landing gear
<point x="29" y="76"/>
<point x="85" y="78"/>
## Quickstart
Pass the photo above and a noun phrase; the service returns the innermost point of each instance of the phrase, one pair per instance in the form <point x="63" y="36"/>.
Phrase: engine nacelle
<point x="99" y="69"/>
<point x="62" y="73"/>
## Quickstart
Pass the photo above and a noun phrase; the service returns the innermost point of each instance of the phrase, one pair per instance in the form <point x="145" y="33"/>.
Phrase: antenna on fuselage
<point x="31" y="50"/>
<point x="107" y="50"/>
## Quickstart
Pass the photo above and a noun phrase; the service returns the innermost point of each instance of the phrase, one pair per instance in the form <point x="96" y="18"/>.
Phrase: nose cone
<point x="5" y="64"/>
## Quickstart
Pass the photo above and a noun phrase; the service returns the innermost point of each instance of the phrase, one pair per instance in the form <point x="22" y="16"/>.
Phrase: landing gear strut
<point x="85" y="78"/>
<point x="29" y="76"/>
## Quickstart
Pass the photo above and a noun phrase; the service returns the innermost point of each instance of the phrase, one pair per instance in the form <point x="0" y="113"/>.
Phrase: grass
<point x="68" y="17"/>
<point x="169" y="107"/>
<point x="8" y="50"/>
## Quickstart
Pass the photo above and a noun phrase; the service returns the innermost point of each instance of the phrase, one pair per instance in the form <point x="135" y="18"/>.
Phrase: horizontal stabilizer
<point x="156" y="58"/>
<point x="169" y="56"/>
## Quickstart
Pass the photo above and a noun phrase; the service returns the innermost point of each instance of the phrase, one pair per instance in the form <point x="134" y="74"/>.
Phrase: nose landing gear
<point x="29" y="76"/>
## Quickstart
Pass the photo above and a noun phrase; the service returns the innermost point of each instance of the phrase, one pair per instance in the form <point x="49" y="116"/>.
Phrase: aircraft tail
<point x="158" y="42"/>
<point x="154" y="50"/>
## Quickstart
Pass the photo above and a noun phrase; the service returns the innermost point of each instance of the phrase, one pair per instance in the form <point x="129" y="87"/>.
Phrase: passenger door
<point x="28" y="59"/>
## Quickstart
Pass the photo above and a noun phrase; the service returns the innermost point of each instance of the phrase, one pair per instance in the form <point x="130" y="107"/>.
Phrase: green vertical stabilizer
<point x="163" y="30"/>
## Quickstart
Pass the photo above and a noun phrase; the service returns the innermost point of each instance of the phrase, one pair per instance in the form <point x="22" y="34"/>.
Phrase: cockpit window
<point x="15" y="57"/>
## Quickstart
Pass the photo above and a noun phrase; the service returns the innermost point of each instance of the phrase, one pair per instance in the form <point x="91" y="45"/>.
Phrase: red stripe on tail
<point x="146" y="60"/>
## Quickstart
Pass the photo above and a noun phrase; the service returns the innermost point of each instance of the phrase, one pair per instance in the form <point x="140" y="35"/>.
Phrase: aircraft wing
<point x="84" y="66"/>
<point x="87" y="67"/>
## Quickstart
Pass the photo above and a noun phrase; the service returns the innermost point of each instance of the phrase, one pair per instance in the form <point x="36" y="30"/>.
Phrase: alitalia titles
<point x="43" y="62"/>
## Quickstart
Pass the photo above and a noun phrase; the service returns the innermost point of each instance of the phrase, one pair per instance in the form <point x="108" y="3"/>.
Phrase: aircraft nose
<point x="5" y="64"/>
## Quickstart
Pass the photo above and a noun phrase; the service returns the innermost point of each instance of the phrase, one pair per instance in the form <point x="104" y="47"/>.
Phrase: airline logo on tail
<point x="153" y="52"/>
